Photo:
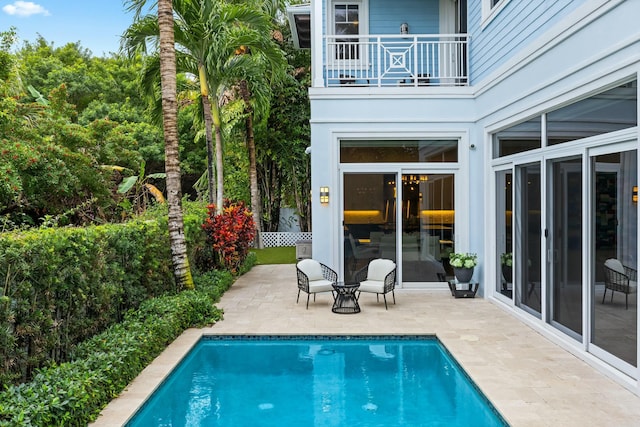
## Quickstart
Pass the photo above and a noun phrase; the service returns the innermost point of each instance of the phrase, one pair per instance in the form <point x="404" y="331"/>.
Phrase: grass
<point x="280" y="255"/>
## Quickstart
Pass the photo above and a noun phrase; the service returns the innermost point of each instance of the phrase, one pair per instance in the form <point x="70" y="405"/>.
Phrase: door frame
<point x="460" y="219"/>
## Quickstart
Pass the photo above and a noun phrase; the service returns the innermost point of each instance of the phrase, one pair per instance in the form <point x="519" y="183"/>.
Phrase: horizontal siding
<point x="517" y="25"/>
<point x="422" y="16"/>
<point x="385" y="17"/>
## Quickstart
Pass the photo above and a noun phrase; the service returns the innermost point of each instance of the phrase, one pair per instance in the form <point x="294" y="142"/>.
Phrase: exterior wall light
<point x="634" y="194"/>
<point x="404" y="28"/>
<point x="324" y="195"/>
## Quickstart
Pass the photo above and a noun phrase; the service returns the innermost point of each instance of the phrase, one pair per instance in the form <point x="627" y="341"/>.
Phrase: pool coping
<point x="529" y="379"/>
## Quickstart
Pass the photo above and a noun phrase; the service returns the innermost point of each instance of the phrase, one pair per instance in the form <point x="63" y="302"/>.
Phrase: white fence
<point x="272" y="239"/>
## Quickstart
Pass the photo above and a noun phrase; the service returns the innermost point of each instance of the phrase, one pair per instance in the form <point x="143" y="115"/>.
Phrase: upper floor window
<point x="348" y="18"/>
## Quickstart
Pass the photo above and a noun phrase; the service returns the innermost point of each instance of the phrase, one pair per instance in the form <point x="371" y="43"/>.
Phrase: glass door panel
<point x="615" y="236"/>
<point x="427" y="226"/>
<point x="565" y="189"/>
<point x="528" y="264"/>
<point x="369" y="220"/>
<point x="504" y="242"/>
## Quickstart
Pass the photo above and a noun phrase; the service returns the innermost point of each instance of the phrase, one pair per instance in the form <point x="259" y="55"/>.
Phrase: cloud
<point x="25" y="8"/>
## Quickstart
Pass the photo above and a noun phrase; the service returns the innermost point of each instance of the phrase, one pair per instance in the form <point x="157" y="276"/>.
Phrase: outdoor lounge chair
<point x="619" y="278"/>
<point x="379" y="277"/>
<point x="314" y="277"/>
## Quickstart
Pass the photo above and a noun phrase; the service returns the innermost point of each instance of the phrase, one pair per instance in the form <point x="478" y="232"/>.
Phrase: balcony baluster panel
<point x="392" y="60"/>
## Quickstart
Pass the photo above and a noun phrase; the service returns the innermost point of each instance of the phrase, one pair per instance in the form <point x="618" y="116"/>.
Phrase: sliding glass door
<point x="427" y="226"/>
<point x="405" y="217"/>
<point x="504" y="234"/>
<point x="528" y="225"/>
<point x="614" y="307"/>
<point x="565" y="244"/>
<point x="369" y="220"/>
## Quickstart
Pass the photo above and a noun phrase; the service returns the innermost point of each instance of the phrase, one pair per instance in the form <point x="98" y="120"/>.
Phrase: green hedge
<point x="73" y="393"/>
<point x="60" y="286"/>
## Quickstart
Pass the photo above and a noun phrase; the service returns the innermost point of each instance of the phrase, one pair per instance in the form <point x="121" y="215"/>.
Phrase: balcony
<point x="417" y="60"/>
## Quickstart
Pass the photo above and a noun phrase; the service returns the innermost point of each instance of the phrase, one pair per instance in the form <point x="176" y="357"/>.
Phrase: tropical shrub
<point x="73" y="393"/>
<point x="230" y="234"/>
<point x="63" y="285"/>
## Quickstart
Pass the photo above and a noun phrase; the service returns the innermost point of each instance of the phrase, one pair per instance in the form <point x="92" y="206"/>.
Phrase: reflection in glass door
<point x="504" y="238"/>
<point x="369" y="220"/>
<point x="427" y="226"/>
<point x="565" y="189"/>
<point x="615" y="237"/>
<point x="528" y="264"/>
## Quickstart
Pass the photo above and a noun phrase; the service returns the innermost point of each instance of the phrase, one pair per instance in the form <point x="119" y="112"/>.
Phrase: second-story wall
<point x="517" y="23"/>
<point x="422" y="16"/>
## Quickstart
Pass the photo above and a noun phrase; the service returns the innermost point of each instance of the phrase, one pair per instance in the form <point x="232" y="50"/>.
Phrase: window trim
<point x="489" y="12"/>
<point x="363" y="26"/>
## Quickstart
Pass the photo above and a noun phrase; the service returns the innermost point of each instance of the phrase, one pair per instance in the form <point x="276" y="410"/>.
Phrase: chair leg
<point x="298" y="299"/>
<point x="308" y="295"/>
<point x="604" y="295"/>
<point x="394" y="296"/>
<point x="626" y="301"/>
<point x="385" y="301"/>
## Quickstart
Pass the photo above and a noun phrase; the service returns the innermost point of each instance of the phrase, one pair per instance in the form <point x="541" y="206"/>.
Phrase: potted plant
<point x="506" y="261"/>
<point x="463" y="265"/>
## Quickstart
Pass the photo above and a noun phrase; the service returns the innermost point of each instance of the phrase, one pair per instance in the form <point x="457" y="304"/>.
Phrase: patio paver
<point x="530" y="380"/>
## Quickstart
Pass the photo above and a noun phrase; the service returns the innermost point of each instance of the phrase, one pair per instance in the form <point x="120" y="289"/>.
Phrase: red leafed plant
<point x="230" y="233"/>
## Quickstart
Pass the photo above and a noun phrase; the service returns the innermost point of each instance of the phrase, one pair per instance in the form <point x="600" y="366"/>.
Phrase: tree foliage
<point x="65" y="114"/>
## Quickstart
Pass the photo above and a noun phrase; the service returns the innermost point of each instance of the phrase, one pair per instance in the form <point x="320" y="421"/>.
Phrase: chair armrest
<point x="328" y="273"/>
<point x="303" y="280"/>
<point x="615" y="279"/>
<point x="390" y="281"/>
<point x="631" y="273"/>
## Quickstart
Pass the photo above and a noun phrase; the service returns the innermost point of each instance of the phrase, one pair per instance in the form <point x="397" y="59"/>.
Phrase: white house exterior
<point x="492" y="127"/>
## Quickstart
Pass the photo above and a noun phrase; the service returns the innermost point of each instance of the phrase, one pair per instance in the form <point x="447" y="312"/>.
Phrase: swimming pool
<point x="320" y="381"/>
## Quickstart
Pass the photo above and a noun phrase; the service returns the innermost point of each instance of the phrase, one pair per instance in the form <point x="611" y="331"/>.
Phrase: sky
<point x="96" y="24"/>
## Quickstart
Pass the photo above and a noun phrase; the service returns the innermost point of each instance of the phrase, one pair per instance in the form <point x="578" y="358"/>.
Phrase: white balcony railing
<point x="396" y="60"/>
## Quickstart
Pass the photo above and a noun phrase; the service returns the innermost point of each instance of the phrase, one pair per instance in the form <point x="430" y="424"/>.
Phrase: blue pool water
<point x="318" y="381"/>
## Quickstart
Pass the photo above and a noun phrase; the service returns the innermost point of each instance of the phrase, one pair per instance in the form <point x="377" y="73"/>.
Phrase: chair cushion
<point x="321" y="285"/>
<point x="375" y="286"/>
<point x="311" y="268"/>
<point x="615" y="265"/>
<point x="379" y="268"/>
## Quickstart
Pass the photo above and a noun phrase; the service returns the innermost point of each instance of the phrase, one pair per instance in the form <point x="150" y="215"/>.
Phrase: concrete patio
<point x="530" y="380"/>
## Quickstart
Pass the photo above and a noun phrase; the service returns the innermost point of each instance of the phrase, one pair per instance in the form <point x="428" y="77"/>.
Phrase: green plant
<point x="138" y="189"/>
<point x="63" y="285"/>
<point x="463" y="260"/>
<point x="507" y="259"/>
<point x="73" y="393"/>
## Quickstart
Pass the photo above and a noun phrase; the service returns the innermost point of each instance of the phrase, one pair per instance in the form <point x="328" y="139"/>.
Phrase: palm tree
<point x="209" y="34"/>
<point x="181" y="269"/>
<point x="254" y="89"/>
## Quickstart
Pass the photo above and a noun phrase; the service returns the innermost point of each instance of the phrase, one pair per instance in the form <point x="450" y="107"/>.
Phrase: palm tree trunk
<point x="181" y="270"/>
<point x="217" y="123"/>
<point x="253" y="171"/>
<point x="208" y="124"/>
